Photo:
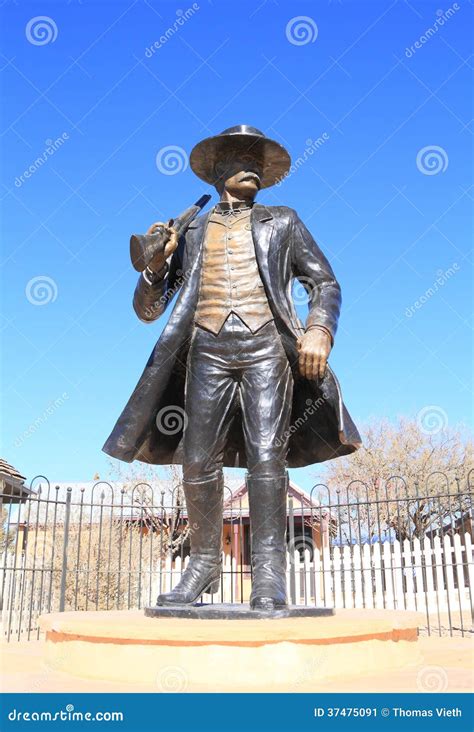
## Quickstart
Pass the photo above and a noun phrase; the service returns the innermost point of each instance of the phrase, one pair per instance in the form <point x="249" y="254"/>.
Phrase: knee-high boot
<point x="204" y="504"/>
<point x="267" y="502"/>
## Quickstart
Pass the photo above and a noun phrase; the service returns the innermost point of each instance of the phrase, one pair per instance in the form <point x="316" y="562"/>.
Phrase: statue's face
<point x="240" y="176"/>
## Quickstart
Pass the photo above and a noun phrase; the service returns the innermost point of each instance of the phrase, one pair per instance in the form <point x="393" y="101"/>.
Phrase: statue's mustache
<point x="250" y="176"/>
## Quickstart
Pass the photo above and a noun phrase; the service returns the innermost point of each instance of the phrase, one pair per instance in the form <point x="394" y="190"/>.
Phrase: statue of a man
<point x="251" y="383"/>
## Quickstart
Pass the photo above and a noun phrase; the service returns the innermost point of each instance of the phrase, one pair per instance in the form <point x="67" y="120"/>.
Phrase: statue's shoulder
<point x="199" y="220"/>
<point x="195" y="227"/>
<point x="284" y="213"/>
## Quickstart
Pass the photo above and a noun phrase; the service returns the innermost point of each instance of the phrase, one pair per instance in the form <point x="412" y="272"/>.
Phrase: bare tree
<point x="403" y="482"/>
<point x="7" y="536"/>
<point x="160" y="501"/>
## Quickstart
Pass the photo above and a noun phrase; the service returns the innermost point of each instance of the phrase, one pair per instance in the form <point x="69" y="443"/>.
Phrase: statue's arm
<point x="312" y="268"/>
<point x="159" y="282"/>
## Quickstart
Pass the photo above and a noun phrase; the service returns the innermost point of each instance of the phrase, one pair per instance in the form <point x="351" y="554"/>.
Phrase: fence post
<point x="62" y="595"/>
<point x="292" y="551"/>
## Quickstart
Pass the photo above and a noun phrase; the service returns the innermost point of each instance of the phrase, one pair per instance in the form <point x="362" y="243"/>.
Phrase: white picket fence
<point x="434" y="575"/>
<point x="430" y="575"/>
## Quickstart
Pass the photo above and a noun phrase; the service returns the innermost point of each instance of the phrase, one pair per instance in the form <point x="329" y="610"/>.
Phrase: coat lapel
<point x="192" y="263"/>
<point x="195" y="236"/>
<point x="266" y="250"/>
<point x="262" y="229"/>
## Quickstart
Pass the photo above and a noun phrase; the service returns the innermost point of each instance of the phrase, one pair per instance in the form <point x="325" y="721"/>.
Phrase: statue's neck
<point x="230" y="198"/>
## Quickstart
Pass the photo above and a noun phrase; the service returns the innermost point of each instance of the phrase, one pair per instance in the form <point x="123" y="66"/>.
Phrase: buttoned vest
<point x="230" y="278"/>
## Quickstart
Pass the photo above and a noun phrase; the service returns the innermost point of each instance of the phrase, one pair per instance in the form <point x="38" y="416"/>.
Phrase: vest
<point x="230" y="278"/>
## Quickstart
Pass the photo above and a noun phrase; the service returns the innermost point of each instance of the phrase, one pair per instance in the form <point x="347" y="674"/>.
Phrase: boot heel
<point x="213" y="587"/>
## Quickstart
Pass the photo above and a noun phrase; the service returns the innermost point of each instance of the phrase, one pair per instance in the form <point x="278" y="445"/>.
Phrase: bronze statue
<point x="254" y="384"/>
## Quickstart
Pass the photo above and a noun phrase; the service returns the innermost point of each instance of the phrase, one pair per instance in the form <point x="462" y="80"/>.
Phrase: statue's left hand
<point x="314" y="348"/>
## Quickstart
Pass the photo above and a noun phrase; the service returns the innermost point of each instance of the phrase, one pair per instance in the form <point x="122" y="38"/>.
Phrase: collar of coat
<point x="259" y="213"/>
<point x="230" y="207"/>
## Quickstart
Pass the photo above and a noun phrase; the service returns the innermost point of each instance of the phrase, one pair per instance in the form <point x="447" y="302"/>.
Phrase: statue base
<point x="246" y="654"/>
<point x="234" y="611"/>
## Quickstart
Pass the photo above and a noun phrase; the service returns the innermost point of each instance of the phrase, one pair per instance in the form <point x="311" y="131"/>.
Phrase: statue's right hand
<point x="170" y="236"/>
<point x="154" y="228"/>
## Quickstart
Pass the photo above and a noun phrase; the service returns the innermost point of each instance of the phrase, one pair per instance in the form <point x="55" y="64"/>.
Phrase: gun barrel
<point x="181" y="222"/>
<point x="201" y="202"/>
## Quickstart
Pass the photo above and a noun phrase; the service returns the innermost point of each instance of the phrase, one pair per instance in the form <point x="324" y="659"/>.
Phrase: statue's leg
<point x="267" y="501"/>
<point x="210" y="391"/>
<point x="266" y="397"/>
<point x="204" y="508"/>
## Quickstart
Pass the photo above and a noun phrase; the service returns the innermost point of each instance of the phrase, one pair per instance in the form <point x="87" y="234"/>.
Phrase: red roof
<point x="237" y="502"/>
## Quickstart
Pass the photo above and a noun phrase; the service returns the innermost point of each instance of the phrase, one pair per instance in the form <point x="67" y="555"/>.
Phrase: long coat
<point x="321" y="427"/>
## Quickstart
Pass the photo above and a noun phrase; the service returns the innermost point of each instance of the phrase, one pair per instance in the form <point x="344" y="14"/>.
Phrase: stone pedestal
<point x="174" y="654"/>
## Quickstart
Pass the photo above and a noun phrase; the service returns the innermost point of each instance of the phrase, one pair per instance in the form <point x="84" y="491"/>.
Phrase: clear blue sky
<point x="390" y="226"/>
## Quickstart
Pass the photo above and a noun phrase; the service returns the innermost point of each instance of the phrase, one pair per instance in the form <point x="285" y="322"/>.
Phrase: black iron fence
<point x="103" y="547"/>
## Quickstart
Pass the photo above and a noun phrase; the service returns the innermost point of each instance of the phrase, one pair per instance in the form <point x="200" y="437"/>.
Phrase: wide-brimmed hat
<point x="243" y="138"/>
